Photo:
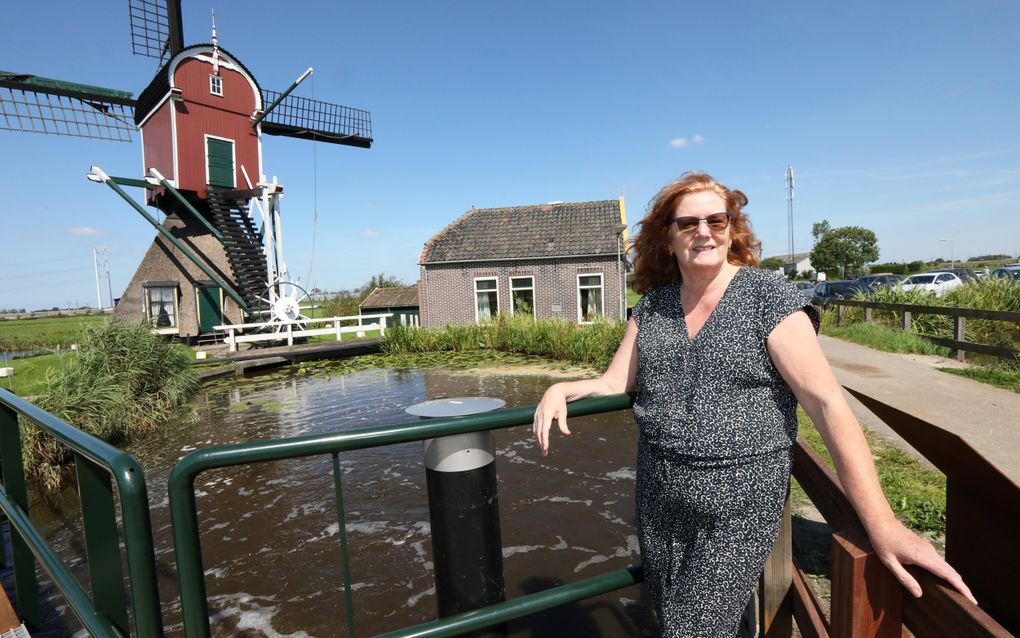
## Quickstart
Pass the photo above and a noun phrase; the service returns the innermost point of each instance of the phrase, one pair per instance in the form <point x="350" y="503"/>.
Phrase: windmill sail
<point x="42" y="105"/>
<point x="309" y="119"/>
<point x="156" y="28"/>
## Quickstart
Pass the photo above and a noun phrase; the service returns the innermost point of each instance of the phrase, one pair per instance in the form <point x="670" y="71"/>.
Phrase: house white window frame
<point x="233" y="156"/>
<point x="175" y="291"/>
<point x="513" y="301"/>
<point x="602" y="296"/>
<point x="215" y="84"/>
<point x="495" y="311"/>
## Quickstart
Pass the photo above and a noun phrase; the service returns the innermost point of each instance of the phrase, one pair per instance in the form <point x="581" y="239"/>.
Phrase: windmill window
<point x="161" y="307"/>
<point x="216" y="85"/>
<point x="589" y="298"/>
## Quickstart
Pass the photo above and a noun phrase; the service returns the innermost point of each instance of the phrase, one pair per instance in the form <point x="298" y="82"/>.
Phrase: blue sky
<point x="900" y="117"/>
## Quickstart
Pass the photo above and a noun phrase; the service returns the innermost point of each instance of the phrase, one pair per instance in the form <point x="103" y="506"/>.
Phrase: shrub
<point x="592" y="345"/>
<point x="124" y="381"/>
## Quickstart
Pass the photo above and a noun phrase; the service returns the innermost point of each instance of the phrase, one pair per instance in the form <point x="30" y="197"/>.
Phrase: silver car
<point x="938" y="283"/>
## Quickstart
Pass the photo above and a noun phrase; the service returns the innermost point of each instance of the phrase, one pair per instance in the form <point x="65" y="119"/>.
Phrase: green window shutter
<point x="221" y="162"/>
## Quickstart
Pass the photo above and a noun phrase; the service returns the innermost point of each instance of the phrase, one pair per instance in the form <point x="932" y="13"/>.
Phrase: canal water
<point x="270" y="531"/>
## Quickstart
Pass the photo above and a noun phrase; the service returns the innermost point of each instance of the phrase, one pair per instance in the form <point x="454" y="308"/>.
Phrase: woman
<point x="722" y="352"/>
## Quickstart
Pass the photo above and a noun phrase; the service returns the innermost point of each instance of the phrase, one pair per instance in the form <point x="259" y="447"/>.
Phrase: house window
<point x="216" y="85"/>
<point x="589" y="298"/>
<point x="161" y="306"/>
<point x="522" y="295"/>
<point x="486" y="299"/>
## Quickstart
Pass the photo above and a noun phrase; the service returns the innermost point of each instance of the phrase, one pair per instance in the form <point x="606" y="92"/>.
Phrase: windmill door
<point x="210" y="308"/>
<point x="219" y="161"/>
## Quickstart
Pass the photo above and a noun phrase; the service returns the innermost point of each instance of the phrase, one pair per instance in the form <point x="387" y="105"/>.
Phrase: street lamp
<point x="619" y="229"/>
<point x="952" y="259"/>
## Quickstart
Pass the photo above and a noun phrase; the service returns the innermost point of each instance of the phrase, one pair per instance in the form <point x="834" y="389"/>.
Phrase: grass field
<point x="884" y="338"/>
<point x="48" y="332"/>
<point x="916" y="492"/>
<point x="1000" y="377"/>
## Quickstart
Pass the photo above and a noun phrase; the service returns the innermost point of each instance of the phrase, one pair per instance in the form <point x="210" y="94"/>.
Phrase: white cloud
<point x="85" y="231"/>
<point x="683" y="142"/>
<point x="370" y="233"/>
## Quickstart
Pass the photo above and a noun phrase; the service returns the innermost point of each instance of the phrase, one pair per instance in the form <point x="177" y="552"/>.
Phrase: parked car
<point x="829" y="290"/>
<point x="938" y="283"/>
<point x="806" y="287"/>
<point x="965" y="274"/>
<point x="880" y="280"/>
<point x="1011" y="273"/>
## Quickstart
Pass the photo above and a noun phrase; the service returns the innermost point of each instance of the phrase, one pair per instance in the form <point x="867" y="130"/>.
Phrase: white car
<point x="936" y="282"/>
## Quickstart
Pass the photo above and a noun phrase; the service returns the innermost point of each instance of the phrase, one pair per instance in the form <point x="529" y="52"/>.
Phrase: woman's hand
<point x="897" y="546"/>
<point x="552" y="406"/>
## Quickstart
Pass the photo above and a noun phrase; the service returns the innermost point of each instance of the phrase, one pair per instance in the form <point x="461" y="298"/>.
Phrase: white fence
<point x="290" y="330"/>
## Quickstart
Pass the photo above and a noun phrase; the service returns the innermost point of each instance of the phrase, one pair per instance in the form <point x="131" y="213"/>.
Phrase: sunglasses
<point x="717" y="222"/>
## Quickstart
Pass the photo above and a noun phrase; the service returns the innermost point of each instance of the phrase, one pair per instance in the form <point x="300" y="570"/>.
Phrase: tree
<point x="773" y="263"/>
<point x="846" y="249"/>
<point x="818" y="230"/>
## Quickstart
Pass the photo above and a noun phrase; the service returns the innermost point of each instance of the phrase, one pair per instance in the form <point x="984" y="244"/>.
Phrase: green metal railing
<point x="187" y="545"/>
<point x="107" y="611"/>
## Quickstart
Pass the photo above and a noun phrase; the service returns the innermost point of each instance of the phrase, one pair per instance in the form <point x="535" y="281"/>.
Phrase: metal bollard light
<point x="467" y="548"/>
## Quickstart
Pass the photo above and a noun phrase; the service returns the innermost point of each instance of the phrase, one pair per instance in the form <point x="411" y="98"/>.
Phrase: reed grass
<point x="591" y="345"/>
<point x="123" y="381"/>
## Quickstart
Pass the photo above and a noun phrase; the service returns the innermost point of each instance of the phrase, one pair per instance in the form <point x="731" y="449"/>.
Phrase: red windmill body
<point x="195" y="119"/>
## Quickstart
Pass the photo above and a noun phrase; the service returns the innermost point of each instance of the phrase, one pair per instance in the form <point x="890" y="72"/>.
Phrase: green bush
<point x="592" y="345"/>
<point x="124" y="381"/>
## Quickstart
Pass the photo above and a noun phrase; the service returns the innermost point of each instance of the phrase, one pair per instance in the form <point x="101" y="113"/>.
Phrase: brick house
<point x="560" y="260"/>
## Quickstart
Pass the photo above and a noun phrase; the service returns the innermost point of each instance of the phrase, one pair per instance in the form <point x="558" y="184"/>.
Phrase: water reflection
<point x="270" y="530"/>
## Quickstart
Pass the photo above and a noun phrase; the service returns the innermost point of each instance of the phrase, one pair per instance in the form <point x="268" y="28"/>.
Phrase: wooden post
<point x="840" y="314"/>
<point x="232" y="341"/>
<point x="867" y="314"/>
<point x="907" y="323"/>
<point x="960" y="328"/>
<point x="867" y="600"/>
<point x="775" y="601"/>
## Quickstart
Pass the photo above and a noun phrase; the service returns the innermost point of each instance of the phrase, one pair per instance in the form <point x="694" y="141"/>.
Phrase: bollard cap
<point x="455" y="406"/>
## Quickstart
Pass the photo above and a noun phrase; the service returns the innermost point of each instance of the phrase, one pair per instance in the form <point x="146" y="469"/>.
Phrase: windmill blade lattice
<point x="42" y="105"/>
<point x="309" y="119"/>
<point x="155" y="28"/>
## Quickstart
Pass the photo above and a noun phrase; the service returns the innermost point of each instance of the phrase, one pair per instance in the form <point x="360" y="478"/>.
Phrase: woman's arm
<point x="798" y="356"/>
<point x="619" y="377"/>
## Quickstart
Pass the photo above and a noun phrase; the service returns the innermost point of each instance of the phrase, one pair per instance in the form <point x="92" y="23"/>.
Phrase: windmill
<point x="218" y="255"/>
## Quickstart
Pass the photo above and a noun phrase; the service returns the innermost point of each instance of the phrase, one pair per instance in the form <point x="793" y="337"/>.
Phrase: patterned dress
<point x="716" y="425"/>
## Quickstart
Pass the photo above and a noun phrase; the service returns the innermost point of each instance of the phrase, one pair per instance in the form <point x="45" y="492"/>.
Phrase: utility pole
<point x="789" y="214"/>
<point x="99" y="292"/>
<point x="109" y="288"/>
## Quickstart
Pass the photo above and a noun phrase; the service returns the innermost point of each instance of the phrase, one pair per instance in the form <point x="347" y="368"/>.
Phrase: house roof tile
<point x="391" y="298"/>
<point x="537" y="231"/>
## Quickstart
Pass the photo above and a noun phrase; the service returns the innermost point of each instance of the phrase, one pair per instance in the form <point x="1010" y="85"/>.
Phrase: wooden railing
<point x="298" y="328"/>
<point x="958" y="344"/>
<point x="982" y="528"/>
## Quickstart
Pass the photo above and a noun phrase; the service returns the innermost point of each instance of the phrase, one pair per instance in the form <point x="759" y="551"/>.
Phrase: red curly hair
<point x="653" y="263"/>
